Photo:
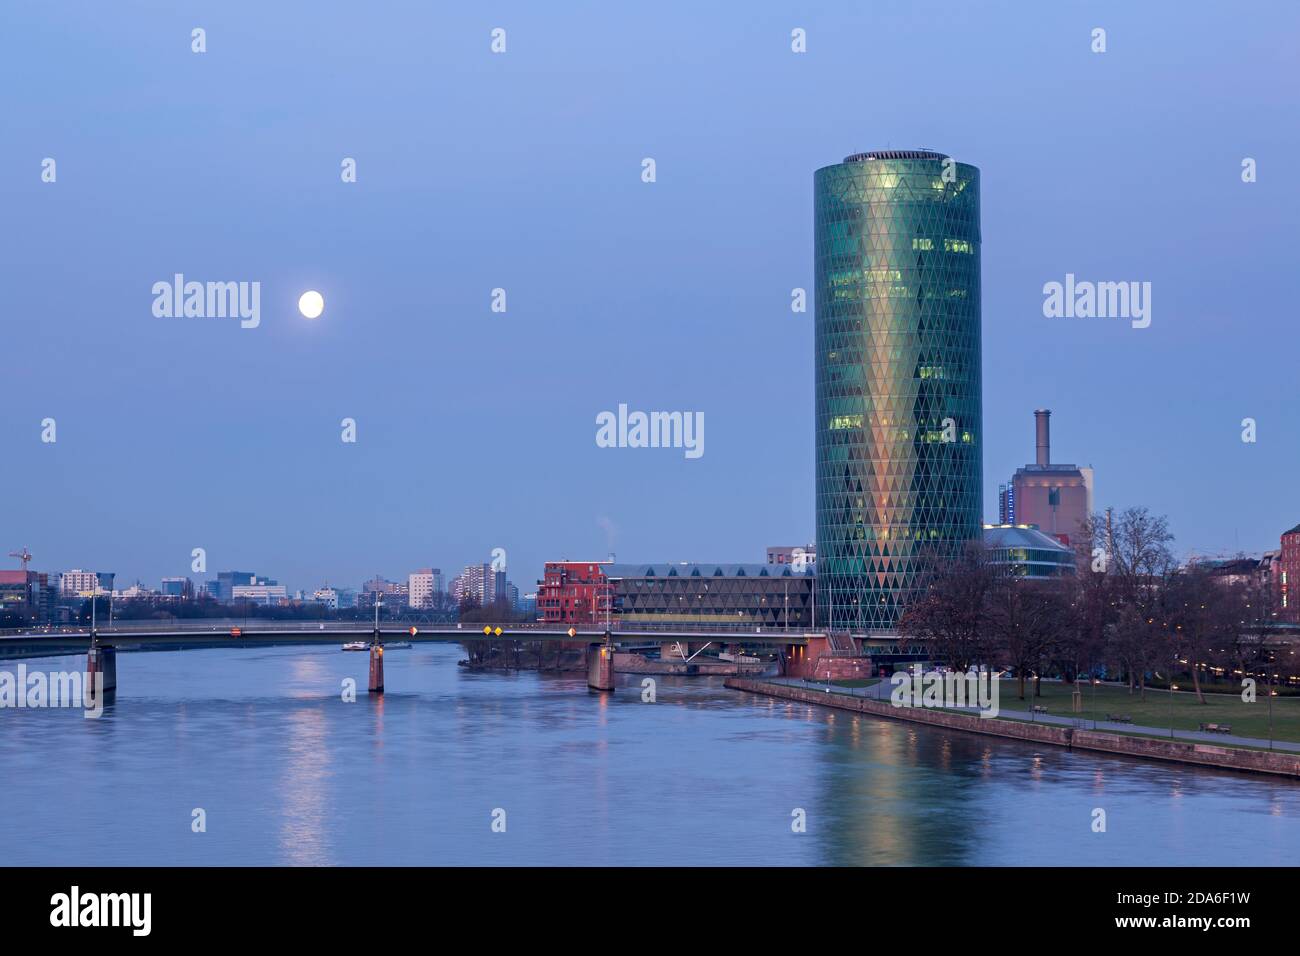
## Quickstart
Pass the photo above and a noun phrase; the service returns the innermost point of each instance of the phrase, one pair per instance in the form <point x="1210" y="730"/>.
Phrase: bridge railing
<point x="471" y="628"/>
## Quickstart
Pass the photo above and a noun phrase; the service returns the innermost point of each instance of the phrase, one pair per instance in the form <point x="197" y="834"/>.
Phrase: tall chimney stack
<point x="1042" y="437"/>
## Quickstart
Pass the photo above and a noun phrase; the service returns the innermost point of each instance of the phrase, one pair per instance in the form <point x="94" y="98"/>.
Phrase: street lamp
<point x="1094" y="701"/>
<point x="1270" y="708"/>
<point x="1172" y="687"/>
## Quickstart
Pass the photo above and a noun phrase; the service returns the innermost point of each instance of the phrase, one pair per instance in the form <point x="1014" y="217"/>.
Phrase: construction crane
<point x="24" y="556"/>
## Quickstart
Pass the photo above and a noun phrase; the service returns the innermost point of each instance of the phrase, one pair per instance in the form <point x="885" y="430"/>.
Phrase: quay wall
<point x="1203" y="754"/>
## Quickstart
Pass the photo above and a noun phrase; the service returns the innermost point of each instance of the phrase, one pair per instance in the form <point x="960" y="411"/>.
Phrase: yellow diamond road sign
<point x="486" y="629"/>
<point x="497" y="632"/>
<point x="573" y="632"/>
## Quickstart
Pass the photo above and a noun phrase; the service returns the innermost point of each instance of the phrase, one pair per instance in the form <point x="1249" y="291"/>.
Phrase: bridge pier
<point x="600" y="667"/>
<point x="102" y="661"/>
<point x="376" y="668"/>
<point x="674" y="650"/>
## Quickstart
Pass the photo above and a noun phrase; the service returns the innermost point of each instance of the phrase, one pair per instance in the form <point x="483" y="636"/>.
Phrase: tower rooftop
<point x="894" y="154"/>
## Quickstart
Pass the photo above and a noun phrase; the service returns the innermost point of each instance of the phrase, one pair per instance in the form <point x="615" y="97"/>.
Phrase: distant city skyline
<point x="474" y="427"/>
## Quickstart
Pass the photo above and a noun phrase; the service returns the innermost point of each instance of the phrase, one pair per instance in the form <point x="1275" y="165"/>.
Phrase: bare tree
<point x="1091" y="602"/>
<point x="1244" y="628"/>
<point x="1027" y="619"/>
<point x="1138" y="558"/>
<point x="1201" y="614"/>
<point x="951" y="617"/>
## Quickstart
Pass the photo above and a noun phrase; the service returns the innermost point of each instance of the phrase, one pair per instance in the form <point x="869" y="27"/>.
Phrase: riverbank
<point x="1208" y="755"/>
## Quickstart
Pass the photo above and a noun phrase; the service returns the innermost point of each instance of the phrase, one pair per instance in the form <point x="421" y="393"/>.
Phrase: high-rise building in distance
<point x="897" y="395"/>
<point x="423" y="587"/>
<point x="78" y="583"/>
<point x="481" y="583"/>
<point x="389" y="594"/>
<point x="222" y="589"/>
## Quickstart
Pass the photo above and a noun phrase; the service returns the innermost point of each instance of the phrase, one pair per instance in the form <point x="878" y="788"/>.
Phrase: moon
<point x="311" y="304"/>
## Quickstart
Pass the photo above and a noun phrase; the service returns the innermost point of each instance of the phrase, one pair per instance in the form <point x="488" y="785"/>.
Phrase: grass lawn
<point x="1157" y="710"/>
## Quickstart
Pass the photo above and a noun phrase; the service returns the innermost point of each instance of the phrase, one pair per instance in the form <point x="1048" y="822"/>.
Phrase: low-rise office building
<point x="722" y="596"/>
<point x="1025" y="551"/>
<point x="738" y="597"/>
<point x="260" y="593"/>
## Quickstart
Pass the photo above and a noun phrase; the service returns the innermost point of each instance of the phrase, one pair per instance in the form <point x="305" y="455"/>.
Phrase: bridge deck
<point x="144" y="636"/>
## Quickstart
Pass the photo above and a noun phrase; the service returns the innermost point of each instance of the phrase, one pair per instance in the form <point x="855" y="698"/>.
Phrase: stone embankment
<point x="1228" y="758"/>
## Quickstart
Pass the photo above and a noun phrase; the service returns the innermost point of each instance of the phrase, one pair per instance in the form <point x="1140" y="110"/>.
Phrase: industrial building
<point x="1055" y="498"/>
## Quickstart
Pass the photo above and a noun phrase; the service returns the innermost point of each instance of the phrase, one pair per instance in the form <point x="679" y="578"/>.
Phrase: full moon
<point x="311" y="304"/>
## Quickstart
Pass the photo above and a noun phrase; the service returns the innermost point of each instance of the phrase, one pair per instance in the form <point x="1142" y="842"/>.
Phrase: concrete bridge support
<point x="376" y="668"/>
<point x="674" y="650"/>
<point x="600" y="667"/>
<point x="101" y="660"/>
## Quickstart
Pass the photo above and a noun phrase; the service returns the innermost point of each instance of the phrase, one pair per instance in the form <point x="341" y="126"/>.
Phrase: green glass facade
<point x="898" y="407"/>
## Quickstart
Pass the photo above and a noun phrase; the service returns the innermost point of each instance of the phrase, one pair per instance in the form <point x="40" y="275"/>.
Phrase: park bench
<point x="1217" y="728"/>
<point x="1039" y="709"/>
<point x="1119" y="718"/>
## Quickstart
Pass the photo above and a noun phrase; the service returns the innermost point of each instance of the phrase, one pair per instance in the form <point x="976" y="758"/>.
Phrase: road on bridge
<point x="159" y="636"/>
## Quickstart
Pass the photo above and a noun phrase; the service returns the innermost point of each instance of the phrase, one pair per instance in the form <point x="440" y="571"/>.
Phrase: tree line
<point x="1130" y="612"/>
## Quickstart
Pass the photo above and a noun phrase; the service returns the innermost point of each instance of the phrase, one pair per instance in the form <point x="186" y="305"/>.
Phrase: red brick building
<point x="1055" y="498"/>
<point x="1288" y="577"/>
<point x="573" y="592"/>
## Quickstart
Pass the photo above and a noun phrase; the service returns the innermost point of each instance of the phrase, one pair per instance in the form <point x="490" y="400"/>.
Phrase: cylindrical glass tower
<point x="898" y="410"/>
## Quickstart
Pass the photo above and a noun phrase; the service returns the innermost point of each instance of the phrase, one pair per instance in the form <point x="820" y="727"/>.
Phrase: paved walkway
<point x="882" y="690"/>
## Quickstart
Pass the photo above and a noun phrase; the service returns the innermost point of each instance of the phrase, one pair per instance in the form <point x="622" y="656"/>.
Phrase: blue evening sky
<point x="522" y="171"/>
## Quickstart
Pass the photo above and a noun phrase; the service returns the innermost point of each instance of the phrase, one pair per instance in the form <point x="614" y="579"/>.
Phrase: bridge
<point x="101" y="644"/>
<point x="57" y="641"/>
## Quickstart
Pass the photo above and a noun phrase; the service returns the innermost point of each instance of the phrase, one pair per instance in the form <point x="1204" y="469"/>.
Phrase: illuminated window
<point x="923" y="245"/>
<point x="957" y="245"/>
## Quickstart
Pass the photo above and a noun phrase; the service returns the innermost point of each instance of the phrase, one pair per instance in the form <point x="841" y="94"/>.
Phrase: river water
<point x="287" y="772"/>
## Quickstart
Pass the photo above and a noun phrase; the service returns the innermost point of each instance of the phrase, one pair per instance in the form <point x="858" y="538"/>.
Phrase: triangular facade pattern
<point x="898" y="407"/>
<point x="716" y="596"/>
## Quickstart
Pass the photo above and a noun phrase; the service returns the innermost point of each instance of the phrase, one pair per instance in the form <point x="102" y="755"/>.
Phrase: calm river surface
<point x="288" y="773"/>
